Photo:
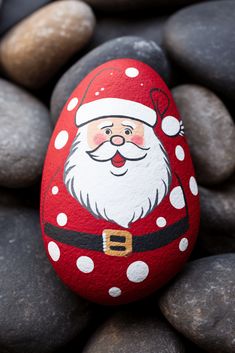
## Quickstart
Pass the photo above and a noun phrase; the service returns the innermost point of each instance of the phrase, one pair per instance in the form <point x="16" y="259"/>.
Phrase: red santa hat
<point x="118" y="91"/>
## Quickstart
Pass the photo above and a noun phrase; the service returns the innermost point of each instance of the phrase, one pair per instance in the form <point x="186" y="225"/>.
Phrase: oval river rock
<point x="35" y="49"/>
<point x="38" y="313"/>
<point x="217" y="232"/>
<point x="119" y="203"/>
<point x="24" y="135"/>
<point x="210" y="130"/>
<point x="198" y="39"/>
<point x="201" y="305"/>
<point x="136" y="331"/>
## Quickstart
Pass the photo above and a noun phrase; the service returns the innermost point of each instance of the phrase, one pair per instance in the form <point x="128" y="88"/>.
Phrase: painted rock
<point x="119" y="200"/>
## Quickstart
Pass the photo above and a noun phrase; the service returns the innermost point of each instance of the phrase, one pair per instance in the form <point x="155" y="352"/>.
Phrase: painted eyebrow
<point x="129" y="124"/>
<point x="105" y="124"/>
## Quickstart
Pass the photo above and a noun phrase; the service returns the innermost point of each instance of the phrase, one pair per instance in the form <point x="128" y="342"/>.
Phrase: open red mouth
<point x="118" y="161"/>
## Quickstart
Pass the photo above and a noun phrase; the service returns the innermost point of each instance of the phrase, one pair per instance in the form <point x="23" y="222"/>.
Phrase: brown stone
<point x="35" y="49"/>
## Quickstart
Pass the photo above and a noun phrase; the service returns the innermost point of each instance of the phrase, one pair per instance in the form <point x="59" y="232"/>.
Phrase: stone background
<point x="46" y="48"/>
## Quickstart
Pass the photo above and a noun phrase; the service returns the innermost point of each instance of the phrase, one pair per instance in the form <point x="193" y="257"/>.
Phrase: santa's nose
<point x="117" y="140"/>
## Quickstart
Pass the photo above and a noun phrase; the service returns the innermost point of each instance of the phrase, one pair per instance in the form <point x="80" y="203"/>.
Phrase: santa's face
<point x="118" y="169"/>
<point x="117" y="140"/>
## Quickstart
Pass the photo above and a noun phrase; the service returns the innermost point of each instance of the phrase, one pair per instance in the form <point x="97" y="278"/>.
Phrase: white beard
<point x="120" y="199"/>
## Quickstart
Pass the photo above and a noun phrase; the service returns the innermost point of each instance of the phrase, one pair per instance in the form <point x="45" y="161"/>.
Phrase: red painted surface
<point x="111" y="271"/>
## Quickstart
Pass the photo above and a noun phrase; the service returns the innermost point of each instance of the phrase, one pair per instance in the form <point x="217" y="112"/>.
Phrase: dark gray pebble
<point x="200" y="303"/>
<point x="148" y="27"/>
<point x="125" y="5"/>
<point x="24" y="135"/>
<point x="199" y="39"/>
<point x="217" y="233"/>
<point x="210" y="131"/>
<point x="38" y="313"/>
<point x="134" y="331"/>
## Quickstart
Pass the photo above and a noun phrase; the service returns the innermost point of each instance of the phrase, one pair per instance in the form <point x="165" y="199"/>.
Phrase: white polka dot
<point x="161" y="222"/>
<point x="55" y="190"/>
<point x="111" y="73"/>
<point x="179" y="152"/>
<point x="115" y="292"/>
<point x="62" y="219"/>
<point x="61" y="139"/>
<point x="183" y="245"/>
<point x="141" y="84"/>
<point x="132" y="72"/>
<point x="97" y="93"/>
<point x="85" y="264"/>
<point x="177" y="198"/>
<point x="102" y="89"/>
<point x="193" y="186"/>
<point x="170" y="126"/>
<point x="54" y="251"/>
<point x="72" y="104"/>
<point x="137" y="271"/>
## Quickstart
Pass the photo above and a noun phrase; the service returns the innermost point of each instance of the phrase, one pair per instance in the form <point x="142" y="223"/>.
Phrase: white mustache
<point x="129" y="151"/>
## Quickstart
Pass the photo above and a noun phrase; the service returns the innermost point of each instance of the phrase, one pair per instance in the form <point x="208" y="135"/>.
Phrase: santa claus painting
<point x="119" y="207"/>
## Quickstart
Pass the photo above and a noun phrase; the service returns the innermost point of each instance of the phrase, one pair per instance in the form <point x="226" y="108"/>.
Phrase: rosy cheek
<point x="138" y="140"/>
<point x="99" y="138"/>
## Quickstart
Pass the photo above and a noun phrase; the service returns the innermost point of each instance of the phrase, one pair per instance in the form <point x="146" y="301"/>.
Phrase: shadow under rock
<point x="27" y="197"/>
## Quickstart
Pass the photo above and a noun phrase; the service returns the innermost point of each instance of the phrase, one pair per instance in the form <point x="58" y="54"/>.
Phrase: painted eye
<point x="108" y="131"/>
<point x="128" y="132"/>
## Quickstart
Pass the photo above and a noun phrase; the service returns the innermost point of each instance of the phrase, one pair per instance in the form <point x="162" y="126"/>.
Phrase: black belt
<point x="118" y="242"/>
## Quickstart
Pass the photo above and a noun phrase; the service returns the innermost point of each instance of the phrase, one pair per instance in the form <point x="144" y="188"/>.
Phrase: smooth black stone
<point x="148" y="27"/>
<point x="125" y="5"/>
<point x="123" y="47"/>
<point x="217" y="234"/>
<point x="200" y="303"/>
<point x="135" y="330"/>
<point x="200" y="40"/>
<point x="38" y="313"/>
<point x="13" y="11"/>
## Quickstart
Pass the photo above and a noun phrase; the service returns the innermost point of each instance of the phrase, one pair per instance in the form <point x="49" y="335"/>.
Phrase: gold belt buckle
<point x="117" y="242"/>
